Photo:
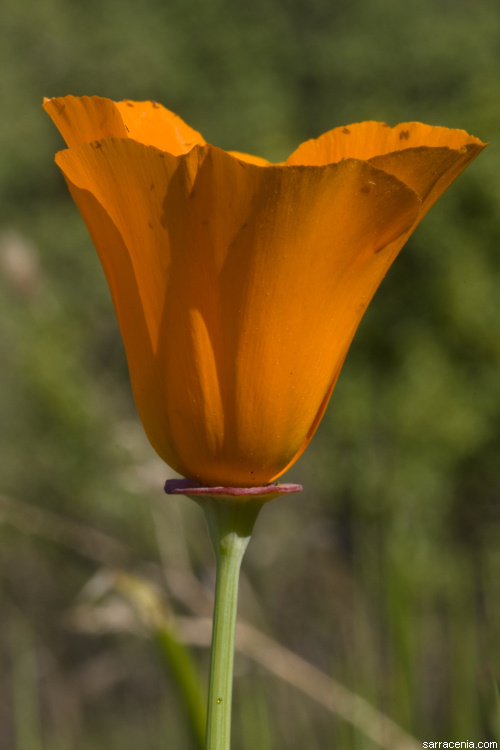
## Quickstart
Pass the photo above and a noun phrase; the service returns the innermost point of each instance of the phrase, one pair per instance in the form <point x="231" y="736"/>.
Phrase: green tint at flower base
<point x="238" y="284"/>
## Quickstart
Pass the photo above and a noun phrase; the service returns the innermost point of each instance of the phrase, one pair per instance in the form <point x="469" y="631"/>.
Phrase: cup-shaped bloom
<point x="238" y="284"/>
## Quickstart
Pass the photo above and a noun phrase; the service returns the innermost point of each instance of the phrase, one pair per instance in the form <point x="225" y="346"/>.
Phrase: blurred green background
<point x="385" y="572"/>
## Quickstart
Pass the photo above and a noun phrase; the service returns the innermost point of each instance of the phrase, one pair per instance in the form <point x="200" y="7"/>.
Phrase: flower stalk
<point x="230" y="513"/>
<point x="230" y="525"/>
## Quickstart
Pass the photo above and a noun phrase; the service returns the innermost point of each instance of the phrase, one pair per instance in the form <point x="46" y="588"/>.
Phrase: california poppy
<point x="238" y="284"/>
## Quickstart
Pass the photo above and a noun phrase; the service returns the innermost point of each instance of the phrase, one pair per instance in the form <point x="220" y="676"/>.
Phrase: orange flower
<point x="238" y="285"/>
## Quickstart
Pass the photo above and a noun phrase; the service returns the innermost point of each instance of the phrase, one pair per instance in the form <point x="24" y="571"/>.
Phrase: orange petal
<point x="424" y="157"/>
<point x="250" y="159"/>
<point x="366" y="140"/>
<point x="429" y="171"/>
<point x="131" y="311"/>
<point x="250" y="283"/>
<point x="83" y="119"/>
<point x="154" y="125"/>
<point x="91" y="118"/>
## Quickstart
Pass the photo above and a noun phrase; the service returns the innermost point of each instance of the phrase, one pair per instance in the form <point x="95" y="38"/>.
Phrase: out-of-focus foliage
<point x="385" y="571"/>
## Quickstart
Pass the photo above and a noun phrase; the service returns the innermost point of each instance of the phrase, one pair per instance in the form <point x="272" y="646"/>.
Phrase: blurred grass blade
<point x="496" y="711"/>
<point x="179" y="662"/>
<point x="152" y="610"/>
<point x="257" y="727"/>
<point x="26" y="705"/>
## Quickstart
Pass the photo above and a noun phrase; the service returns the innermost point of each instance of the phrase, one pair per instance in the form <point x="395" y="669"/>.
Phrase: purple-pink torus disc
<point x="187" y="487"/>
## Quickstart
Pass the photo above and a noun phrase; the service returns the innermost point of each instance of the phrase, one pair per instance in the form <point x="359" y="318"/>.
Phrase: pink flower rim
<point x="187" y="487"/>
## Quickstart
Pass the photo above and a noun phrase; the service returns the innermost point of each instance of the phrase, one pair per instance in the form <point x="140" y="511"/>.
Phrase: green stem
<point x="230" y="524"/>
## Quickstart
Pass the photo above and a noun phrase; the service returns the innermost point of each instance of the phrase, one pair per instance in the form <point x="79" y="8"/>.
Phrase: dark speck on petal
<point x="404" y="135"/>
<point x="346" y="131"/>
<point x="366" y="188"/>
